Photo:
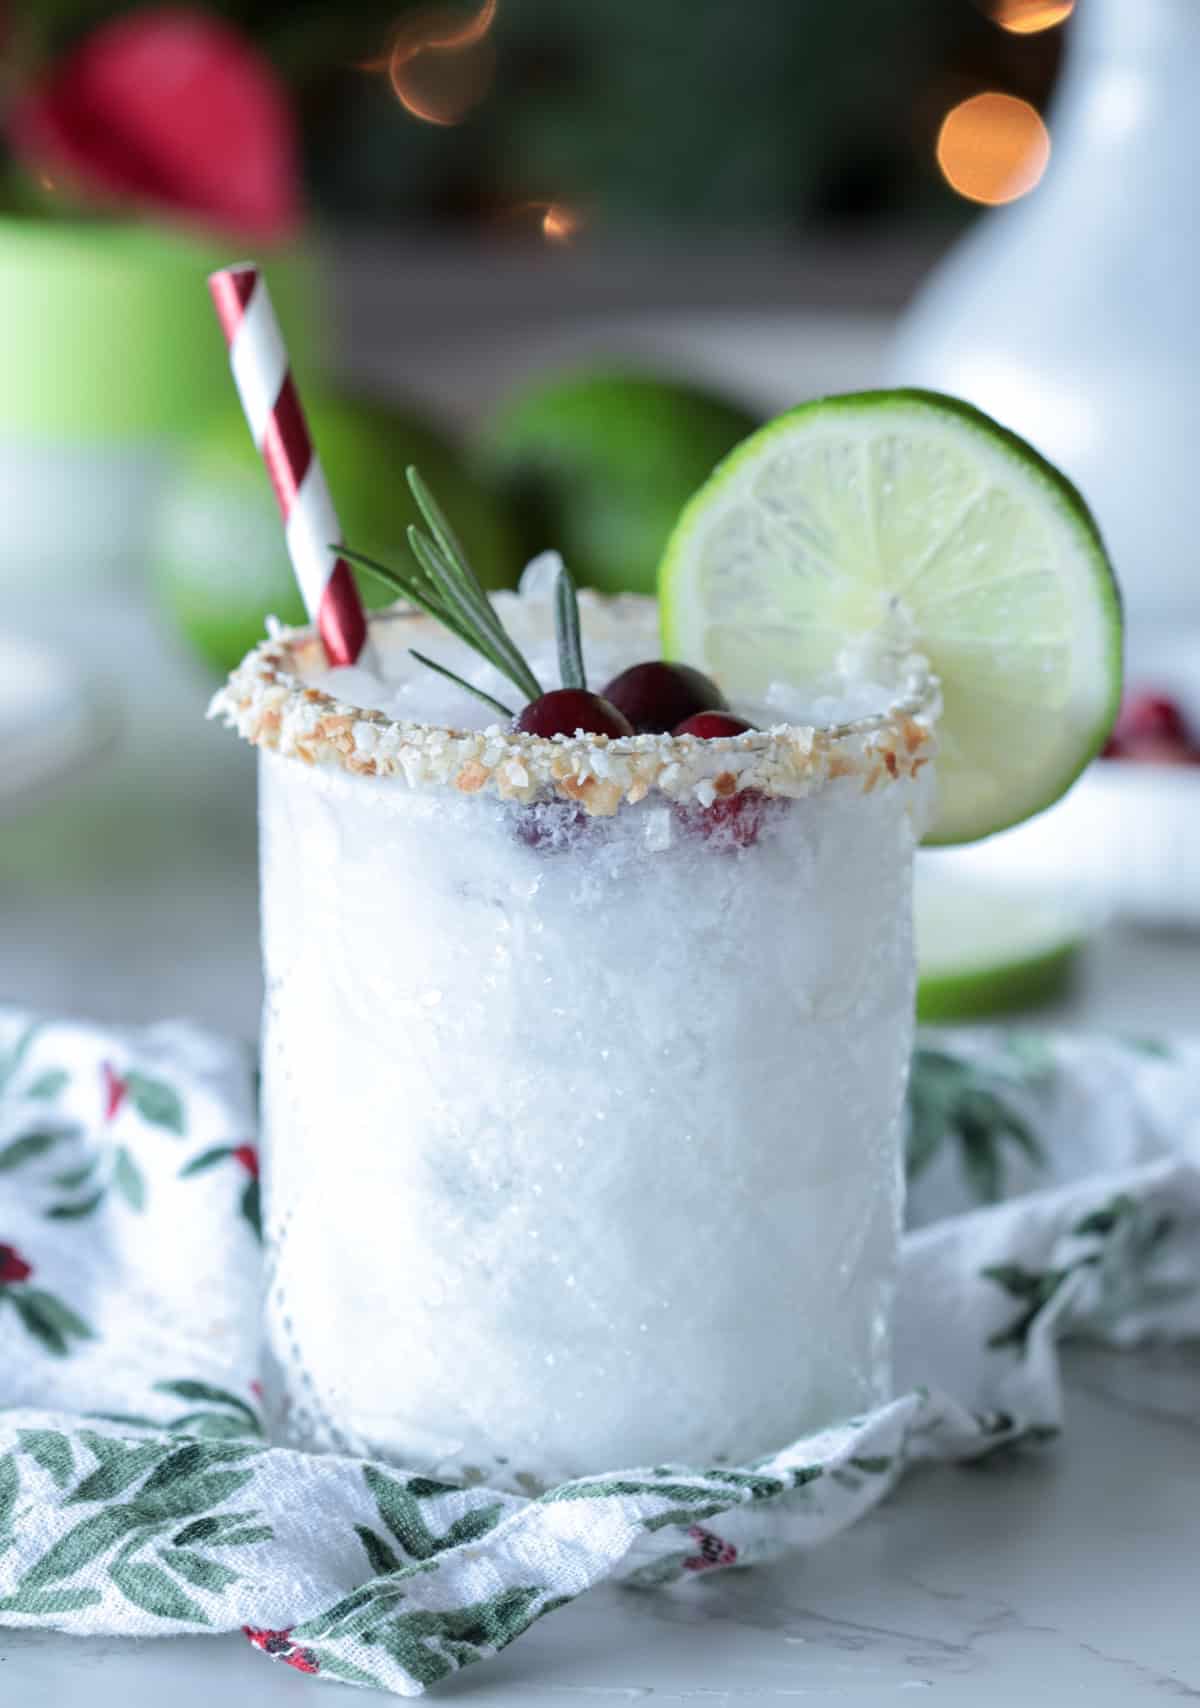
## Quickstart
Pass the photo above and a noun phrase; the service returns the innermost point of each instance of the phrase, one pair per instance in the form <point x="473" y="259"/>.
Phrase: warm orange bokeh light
<point x="560" y="223"/>
<point x="993" y="148"/>
<point x="1029" y="17"/>
<point x="440" y="65"/>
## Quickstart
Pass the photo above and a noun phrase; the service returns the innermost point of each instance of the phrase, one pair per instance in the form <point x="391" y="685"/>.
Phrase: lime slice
<point x="983" y="949"/>
<point x="910" y="514"/>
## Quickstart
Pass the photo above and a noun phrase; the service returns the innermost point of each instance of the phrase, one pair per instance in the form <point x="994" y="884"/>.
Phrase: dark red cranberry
<point x="732" y="821"/>
<point x="709" y="725"/>
<point x="13" y="1266"/>
<point x="550" y="826"/>
<point x="657" y="696"/>
<point x="1150" y="718"/>
<point x="566" y="711"/>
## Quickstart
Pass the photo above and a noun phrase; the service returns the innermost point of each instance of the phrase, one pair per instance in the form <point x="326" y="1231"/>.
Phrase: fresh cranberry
<point x="247" y="1155"/>
<point x="1150" y="718"/>
<point x="732" y="821"/>
<point x="13" y="1266"/>
<point x="657" y="696"/>
<point x="567" y="711"/>
<point x="707" y="726"/>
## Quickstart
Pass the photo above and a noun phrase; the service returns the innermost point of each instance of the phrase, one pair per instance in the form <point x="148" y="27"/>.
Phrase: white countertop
<point x="1050" y="1575"/>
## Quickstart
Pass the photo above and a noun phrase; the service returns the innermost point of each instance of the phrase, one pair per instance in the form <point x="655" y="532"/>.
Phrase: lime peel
<point x="913" y="510"/>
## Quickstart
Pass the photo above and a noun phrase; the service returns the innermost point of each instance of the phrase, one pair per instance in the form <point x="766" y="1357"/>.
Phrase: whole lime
<point x="599" y="464"/>
<point x="218" y="558"/>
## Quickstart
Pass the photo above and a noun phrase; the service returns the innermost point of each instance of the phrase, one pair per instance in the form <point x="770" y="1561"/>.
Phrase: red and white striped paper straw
<point x="276" y="417"/>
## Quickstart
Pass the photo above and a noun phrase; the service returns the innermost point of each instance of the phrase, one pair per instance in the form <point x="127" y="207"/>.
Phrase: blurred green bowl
<point x="108" y="331"/>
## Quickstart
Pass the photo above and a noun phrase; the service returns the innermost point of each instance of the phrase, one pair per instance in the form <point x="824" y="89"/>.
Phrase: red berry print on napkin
<point x="115" y="1090"/>
<point x="279" y="1645"/>
<point x="13" y="1266"/>
<point x="53" y="1324"/>
<point x="713" y="1551"/>
<point x="247" y="1156"/>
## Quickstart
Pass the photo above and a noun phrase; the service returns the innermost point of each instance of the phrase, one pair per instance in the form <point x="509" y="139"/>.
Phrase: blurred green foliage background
<point x="686" y="113"/>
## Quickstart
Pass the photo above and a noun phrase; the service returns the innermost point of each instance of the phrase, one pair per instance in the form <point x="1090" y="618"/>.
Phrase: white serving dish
<point x="1127" y="836"/>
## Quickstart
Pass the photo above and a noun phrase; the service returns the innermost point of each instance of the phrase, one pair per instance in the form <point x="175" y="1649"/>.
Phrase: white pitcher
<point x="1074" y="315"/>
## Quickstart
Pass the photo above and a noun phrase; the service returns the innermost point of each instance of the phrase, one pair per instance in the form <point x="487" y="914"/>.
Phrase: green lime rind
<point x="1030" y="692"/>
<point x="596" y="461"/>
<point x="976" y="993"/>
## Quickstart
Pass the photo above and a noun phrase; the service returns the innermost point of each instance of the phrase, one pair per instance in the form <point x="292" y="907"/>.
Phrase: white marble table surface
<point x="1052" y="1575"/>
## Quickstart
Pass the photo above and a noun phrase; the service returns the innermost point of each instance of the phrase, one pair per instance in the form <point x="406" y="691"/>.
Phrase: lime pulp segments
<point x="914" y="512"/>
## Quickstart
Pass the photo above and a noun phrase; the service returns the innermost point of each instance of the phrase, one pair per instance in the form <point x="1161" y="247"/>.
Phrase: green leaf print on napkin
<point x="27" y="1147"/>
<point x="428" y="1644"/>
<point x="1123" y="1242"/>
<point x="246" y="1158"/>
<point x="153" y="1560"/>
<point x="399" y="1506"/>
<point x="949" y="1097"/>
<point x="51" y="1322"/>
<point x="156" y="1102"/>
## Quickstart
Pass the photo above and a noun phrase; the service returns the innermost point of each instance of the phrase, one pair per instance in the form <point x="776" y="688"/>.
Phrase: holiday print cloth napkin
<point x="1055" y="1189"/>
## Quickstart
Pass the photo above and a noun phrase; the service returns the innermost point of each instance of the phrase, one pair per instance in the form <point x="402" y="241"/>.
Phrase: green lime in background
<point x="218" y="559"/>
<point x="598" y="465"/>
<point x="984" y="949"/>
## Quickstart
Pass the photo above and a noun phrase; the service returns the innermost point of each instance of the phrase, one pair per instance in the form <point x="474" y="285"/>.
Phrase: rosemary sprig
<point x="409" y="586"/>
<point x="441" y="582"/>
<point x="566" y="623"/>
<point x="461" y="682"/>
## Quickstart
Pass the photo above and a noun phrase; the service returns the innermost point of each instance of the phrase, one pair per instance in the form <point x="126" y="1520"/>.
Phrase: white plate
<point x="55" y="720"/>
<point x="1127" y="836"/>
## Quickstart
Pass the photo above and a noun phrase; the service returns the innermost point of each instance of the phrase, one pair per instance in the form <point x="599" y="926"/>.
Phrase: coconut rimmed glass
<point x="583" y="1069"/>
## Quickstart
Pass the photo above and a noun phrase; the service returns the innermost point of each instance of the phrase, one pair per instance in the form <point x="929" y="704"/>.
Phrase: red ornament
<point x="169" y="109"/>
<point x="247" y="1155"/>
<point x="13" y="1266"/>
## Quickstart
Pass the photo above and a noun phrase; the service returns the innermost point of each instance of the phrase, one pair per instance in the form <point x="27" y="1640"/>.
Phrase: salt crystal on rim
<point x="280" y="697"/>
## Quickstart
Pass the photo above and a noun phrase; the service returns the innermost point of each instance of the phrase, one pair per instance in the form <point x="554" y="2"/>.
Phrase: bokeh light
<point x="1029" y="17"/>
<point x="560" y="223"/>
<point x="441" y="63"/>
<point x="993" y="148"/>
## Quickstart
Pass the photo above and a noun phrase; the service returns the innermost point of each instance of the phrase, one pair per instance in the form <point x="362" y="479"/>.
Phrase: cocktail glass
<point x="584" y="1064"/>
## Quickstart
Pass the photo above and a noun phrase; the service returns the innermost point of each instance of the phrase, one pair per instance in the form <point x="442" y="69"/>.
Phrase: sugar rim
<point x="267" y="701"/>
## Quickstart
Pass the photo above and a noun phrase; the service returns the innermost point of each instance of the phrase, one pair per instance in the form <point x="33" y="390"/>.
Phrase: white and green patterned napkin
<point x="1055" y="1188"/>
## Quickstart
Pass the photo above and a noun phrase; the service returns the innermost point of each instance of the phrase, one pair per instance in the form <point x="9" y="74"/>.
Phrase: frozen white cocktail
<point x="583" y="1065"/>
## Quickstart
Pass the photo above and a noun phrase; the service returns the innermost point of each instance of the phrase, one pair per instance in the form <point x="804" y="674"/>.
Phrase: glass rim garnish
<point x="443" y="585"/>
